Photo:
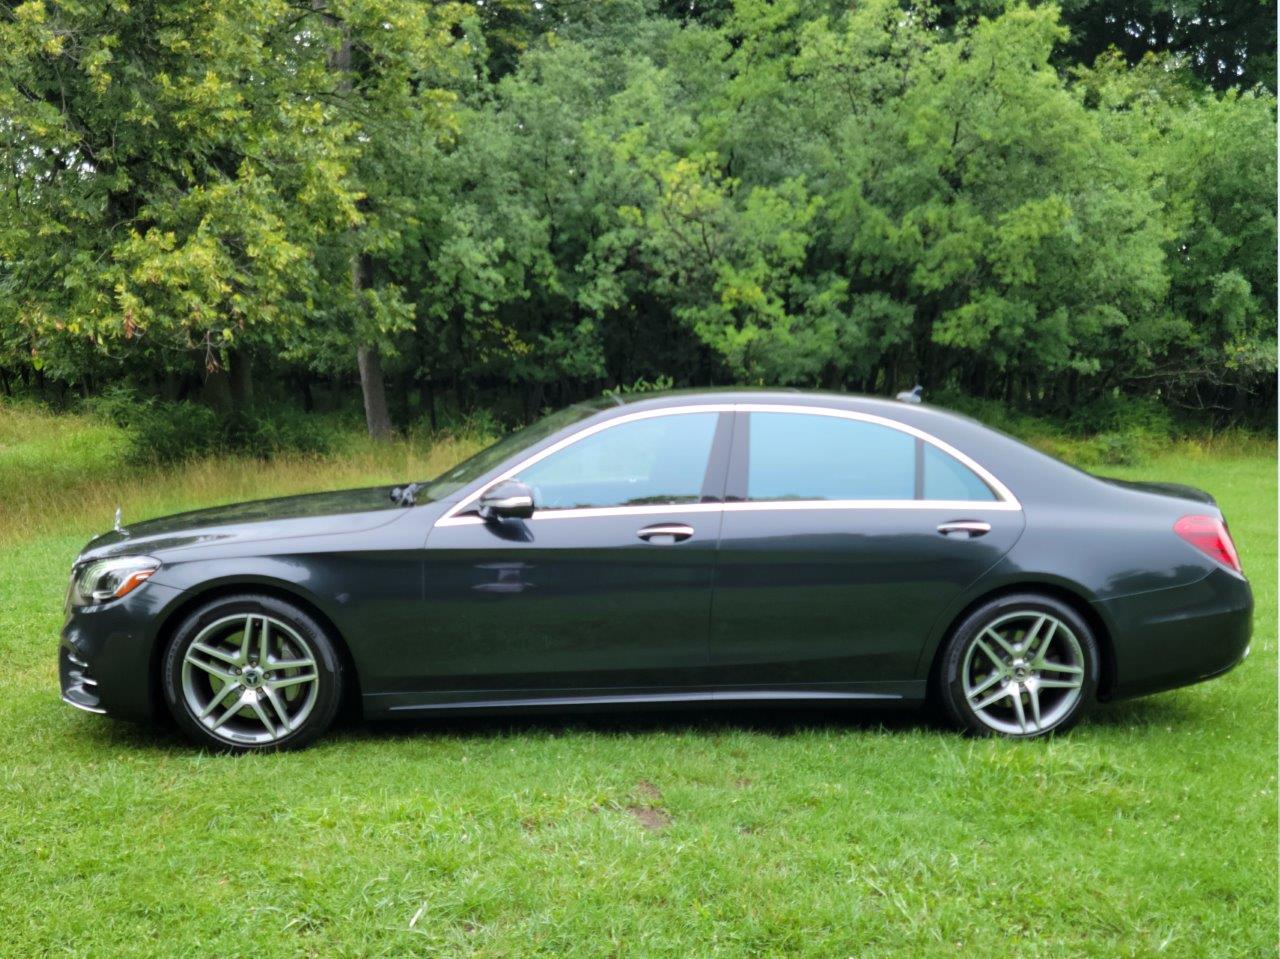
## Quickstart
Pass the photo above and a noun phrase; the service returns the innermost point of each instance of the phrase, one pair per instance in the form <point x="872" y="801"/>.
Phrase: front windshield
<point x="476" y="466"/>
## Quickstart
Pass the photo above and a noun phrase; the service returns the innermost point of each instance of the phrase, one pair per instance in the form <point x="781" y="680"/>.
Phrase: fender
<point x="1006" y="577"/>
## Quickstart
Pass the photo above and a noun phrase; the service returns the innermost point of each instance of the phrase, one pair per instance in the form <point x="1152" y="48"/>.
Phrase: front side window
<point x="658" y="460"/>
<point x="800" y="456"/>
<point x="793" y="456"/>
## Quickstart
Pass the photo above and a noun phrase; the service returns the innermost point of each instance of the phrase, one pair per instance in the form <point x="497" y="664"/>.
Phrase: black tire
<point x="291" y="632"/>
<point x="1056" y="707"/>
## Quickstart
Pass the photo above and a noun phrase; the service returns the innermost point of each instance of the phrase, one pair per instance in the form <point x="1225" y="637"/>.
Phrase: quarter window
<point x="794" y="456"/>
<point x="651" y="461"/>
<point x="945" y="477"/>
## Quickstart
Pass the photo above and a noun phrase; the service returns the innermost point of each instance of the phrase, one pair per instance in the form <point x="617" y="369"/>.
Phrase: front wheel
<point x="1021" y="666"/>
<point x="251" y="672"/>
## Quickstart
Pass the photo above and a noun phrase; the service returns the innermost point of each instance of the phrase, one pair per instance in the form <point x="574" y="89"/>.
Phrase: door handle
<point x="968" y="528"/>
<point x="665" y="533"/>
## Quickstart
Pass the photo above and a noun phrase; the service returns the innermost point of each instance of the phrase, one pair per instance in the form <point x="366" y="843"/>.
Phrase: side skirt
<point x="401" y="704"/>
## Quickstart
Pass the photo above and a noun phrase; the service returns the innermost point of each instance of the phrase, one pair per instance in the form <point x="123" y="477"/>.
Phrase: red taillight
<point x="1209" y="535"/>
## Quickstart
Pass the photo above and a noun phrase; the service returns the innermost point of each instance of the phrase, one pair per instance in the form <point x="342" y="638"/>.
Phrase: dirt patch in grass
<point x="652" y="818"/>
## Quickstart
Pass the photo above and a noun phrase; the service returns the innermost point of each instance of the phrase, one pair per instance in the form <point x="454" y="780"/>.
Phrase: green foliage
<point x="524" y="204"/>
<point x="158" y="432"/>
<point x="641" y="386"/>
<point x="171" y="432"/>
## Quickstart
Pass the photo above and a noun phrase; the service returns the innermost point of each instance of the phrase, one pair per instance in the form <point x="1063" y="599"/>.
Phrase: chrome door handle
<point x="665" y="533"/>
<point x="971" y="528"/>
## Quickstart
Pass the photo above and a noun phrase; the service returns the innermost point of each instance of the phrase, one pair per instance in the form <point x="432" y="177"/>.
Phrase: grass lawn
<point x="1150" y="830"/>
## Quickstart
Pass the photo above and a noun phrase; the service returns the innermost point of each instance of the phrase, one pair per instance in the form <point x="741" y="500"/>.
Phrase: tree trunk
<point x="375" y="392"/>
<point x="369" y="358"/>
<point x="170" y="385"/>
<point x="240" y="379"/>
<point x="427" y="402"/>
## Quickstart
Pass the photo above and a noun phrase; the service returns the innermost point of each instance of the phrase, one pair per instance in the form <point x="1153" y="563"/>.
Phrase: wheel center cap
<point x="252" y="677"/>
<point x="1020" y="671"/>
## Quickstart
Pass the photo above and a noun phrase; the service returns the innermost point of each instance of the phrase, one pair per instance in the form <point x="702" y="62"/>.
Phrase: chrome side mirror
<point x="509" y="499"/>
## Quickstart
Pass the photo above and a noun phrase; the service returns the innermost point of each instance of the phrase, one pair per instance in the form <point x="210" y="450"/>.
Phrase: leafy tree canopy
<point x="525" y="203"/>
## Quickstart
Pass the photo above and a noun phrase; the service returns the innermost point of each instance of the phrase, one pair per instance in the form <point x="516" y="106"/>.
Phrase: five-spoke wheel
<point x="1019" y="666"/>
<point x="251" y="672"/>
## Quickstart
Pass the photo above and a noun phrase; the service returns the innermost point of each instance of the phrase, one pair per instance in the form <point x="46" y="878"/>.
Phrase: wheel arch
<point x="275" y="589"/>
<point x="1072" y="595"/>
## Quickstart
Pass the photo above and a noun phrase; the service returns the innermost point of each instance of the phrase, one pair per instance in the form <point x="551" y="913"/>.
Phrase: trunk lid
<point x="1175" y="490"/>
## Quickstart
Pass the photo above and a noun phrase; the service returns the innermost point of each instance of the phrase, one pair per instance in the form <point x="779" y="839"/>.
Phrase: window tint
<point x="801" y="456"/>
<point x="947" y="478"/>
<point x="658" y="460"/>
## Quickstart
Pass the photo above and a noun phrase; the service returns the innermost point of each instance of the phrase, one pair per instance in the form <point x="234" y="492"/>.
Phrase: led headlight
<point x="106" y="579"/>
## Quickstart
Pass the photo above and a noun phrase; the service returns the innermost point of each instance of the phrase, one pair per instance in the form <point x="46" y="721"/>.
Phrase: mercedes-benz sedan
<point x="700" y="547"/>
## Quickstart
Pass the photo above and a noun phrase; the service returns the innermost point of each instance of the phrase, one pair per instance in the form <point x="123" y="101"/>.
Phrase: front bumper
<point x="105" y="660"/>
<point x="1173" y="637"/>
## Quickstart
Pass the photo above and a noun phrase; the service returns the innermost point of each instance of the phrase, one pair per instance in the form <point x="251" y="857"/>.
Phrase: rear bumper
<point x="1174" y="637"/>
<point x="104" y="657"/>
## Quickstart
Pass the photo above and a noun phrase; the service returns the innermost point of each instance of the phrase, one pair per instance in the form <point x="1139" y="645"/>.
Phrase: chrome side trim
<point x="761" y="695"/>
<point x="763" y="507"/>
<point x="98" y="710"/>
<point x="1005" y="500"/>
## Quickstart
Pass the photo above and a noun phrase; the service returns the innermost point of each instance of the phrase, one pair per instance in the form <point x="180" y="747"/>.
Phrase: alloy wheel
<point x="1023" y="673"/>
<point x="250" y="679"/>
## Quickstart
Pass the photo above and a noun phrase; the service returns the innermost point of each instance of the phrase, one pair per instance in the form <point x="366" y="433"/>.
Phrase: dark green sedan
<point x="680" y="548"/>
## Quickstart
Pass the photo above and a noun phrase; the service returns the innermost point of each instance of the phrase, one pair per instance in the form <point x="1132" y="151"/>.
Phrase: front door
<point x="604" y="592"/>
<point x="842" y="541"/>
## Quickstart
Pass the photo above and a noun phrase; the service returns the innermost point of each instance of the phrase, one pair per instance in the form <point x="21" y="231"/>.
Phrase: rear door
<point x="844" y="536"/>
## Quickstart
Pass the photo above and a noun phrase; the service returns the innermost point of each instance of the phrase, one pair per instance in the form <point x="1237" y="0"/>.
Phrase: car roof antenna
<point x="911" y="396"/>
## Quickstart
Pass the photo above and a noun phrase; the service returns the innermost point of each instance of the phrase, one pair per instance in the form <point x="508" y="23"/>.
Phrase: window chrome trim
<point x="1005" y="500"/>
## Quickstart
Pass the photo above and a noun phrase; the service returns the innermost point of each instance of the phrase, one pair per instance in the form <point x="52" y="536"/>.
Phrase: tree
<point x="169" y="172"/>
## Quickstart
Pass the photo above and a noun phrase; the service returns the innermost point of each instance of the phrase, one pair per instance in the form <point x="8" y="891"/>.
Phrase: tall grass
<point x="56" y="471"/>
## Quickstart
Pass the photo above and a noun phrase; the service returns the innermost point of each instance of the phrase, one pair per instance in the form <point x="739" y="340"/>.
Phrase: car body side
<point x="1165" y="613"/>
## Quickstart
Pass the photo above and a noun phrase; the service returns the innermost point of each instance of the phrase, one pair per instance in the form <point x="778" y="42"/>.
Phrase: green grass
<point x="1150" y="830"/>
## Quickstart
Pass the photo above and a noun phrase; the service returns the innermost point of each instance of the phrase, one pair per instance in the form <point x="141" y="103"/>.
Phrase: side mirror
<point x="509" y="499"/>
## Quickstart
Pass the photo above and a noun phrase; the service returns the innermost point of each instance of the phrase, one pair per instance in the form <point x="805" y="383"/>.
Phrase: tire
<point x="1002" y="674"/>
<point x="289" y="689"/>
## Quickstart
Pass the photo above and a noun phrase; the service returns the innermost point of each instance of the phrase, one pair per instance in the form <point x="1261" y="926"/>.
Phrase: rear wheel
<point x="1021" y="666"/>
<point x="252" y="673"/>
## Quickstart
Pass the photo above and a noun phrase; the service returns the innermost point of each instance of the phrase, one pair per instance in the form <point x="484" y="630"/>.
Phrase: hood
<point x="341" y="511"/>
<point x="1176" y="490"/>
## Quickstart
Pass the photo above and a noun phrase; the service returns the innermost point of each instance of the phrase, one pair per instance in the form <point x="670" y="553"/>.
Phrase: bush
<point x="1132" y="416"/>
<point x="170" y="432"/>
<point x="160" y="432"/>
<point x="284" y="431"/>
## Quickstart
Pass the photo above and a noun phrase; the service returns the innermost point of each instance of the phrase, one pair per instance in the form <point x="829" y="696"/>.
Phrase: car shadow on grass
<point x="780" y="720"/>
<point x="701" y="720"/>
<point x="777" y="720"/>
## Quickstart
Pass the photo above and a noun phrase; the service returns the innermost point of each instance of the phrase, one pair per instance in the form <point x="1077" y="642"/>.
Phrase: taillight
<point x="1209" y="535"/>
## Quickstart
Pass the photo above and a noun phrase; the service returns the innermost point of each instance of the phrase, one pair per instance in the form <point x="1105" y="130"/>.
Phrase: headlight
<point x="107" y="579"/>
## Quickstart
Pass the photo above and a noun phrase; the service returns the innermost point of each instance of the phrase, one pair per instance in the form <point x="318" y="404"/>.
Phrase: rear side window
<point x="662" y="459"/>
<point x="945" y="477"/>
<point x="794" y="456"/>
<point x="801" y="456"/>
